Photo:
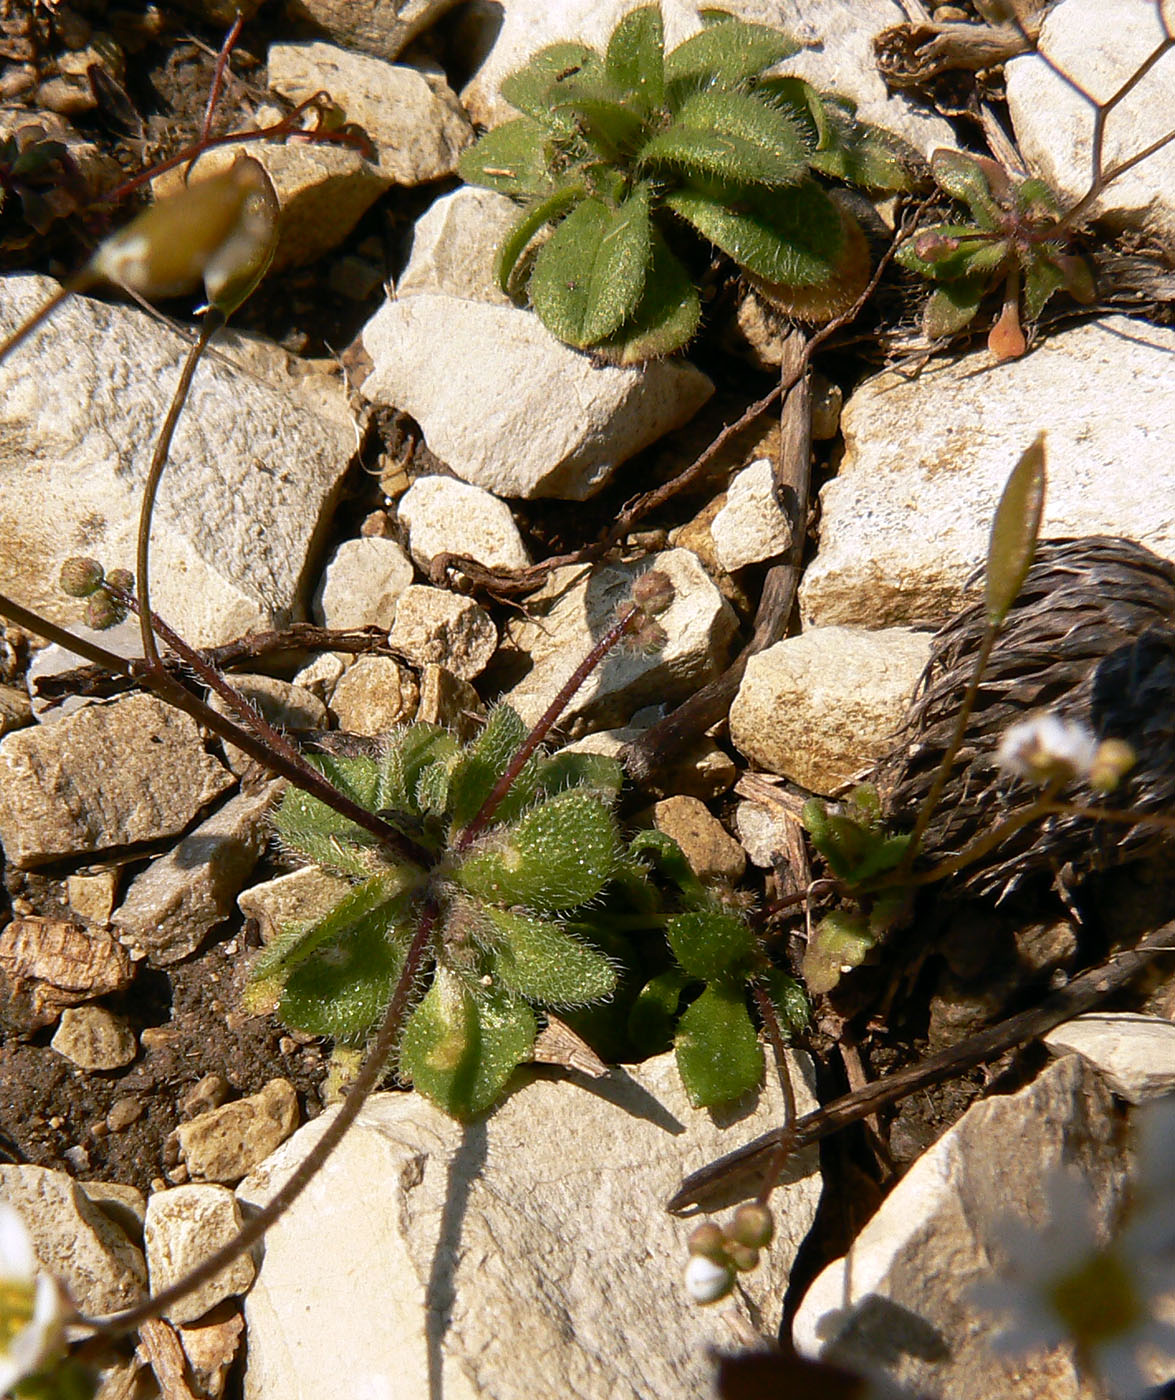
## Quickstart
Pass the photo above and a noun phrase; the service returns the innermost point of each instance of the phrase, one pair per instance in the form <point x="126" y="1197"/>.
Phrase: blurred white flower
<point x="707" y="1281"/>
<point x="1062" y="1287"/>
<point x="32" y="1306"/>
<point x="1045" y="747"/>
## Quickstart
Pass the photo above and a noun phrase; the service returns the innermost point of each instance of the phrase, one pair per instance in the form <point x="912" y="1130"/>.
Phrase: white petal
<point x="17" y="1259"/>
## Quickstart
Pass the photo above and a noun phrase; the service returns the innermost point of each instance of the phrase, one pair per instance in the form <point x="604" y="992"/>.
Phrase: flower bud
<point x="653" y="592"/>
<point x="708" y="1240"/>
<point x="80" y="577"/>
<point x="122" y="580"/>
<point x="1113" y="760"/>
<point x="752" y="1225"/>
<point x="744" y="1257"/>
<point x="103" y="612"/>
<point x="706" y="1281"/>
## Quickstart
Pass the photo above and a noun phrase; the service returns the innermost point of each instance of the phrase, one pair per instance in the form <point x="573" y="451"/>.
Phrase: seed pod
<point x="122" y="580"/>
<point x="752" y="1225"/>
<point x="80" y="577"/>
<point x="708" y="1239"/>
<point x="103" y="612"/>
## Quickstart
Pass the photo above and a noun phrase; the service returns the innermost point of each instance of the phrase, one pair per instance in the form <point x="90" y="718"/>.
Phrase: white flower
<point x="1061" y="1287"/>
<point x="32" y="1306"/>
<point x="1044" y="747"/>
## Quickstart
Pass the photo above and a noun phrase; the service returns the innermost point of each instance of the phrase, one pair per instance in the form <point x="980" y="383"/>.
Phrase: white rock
<point x="75" y="1239"/>
<point x="507" y="406"/>
<point x="445" y="516"/>
<point x="455" y="246"/>
<point x="434" y="626"/>
<point x="297" y="898"/>
<point x="416" y="123"/>
<point x="173" y="904"/>
<point x="702" y="770"/>
<point x="382" y="27"/>
<point x="362" y="583"/>
<point x="572" y="611"/>
<point x="537" y="1235"/>
<point x="109" y="775"/>
<point x="819" y="707"/>
<point x="907" y="519"/>
<point x="1134" y="1054"/>
<point x="839" y="58"/>
<point x="750" y="527"/>
<point x="1099" y="44"/>
<point x="898" y="1304"/>
<point x="183" y="1227"/>
<point x="374" y="695"/>
<point x="93" y="1038"/>
<point x="321" y="675"/>
<point x="231" y="541"/>
<point x="227" y="1142"/>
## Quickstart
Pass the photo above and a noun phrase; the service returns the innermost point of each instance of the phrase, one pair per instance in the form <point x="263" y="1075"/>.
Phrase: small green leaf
<point x="541" y="212"/>
<point x="510" y="159"/>
<point x="612" y="128"/>
<point x="967" y="178"/>
<point x="948" y="252"/>
<point x="791" y="236"/>
<point x="653" y="1013"/>
<point x="476" y="772"/>
<point x="712" y="943"/>
<point x="635" y="58"/>
<point x="459" y="1048"/>
<point x="731" y="136"/>
<point x="1042" y="279"/>
<point x="1014" y="532"/>
<point x="408" y="753"/>
<point x="588" y="277"/>
<point x="666" y="316"/>
<point x="724" y="54"/>
<point x="718" y="1053"/>
<point x="952" y="307"/>
<point x="666" y="855"/>
<point x="1035" y="199"/>
<point x="529" y="88"/>
<point x="840" y="942"/>
<point x="321" y="834"/>
<point x="858" y="152"/>
<point x="559" y="855"/>
<point x="539" y="961"/>
<point x="787" y="996"/>
<point x="592" y="772"/>
<point x="343" y="989"/>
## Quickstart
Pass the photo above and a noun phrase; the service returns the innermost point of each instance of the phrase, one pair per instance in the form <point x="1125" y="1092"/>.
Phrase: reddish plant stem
<point x="547" y="721"/>
<point x="230" y="42"/>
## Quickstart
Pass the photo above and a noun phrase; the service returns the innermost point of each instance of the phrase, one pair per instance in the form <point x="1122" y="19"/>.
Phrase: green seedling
<point x="1015" y="240"/>
<point x="634" y="153"/>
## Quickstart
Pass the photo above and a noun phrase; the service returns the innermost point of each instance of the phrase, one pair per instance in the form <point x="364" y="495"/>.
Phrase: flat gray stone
<point x="109" y="775"/>
<point x="1099" y="44"/>
<point x="906" y="520"/>
<point x="507" y="406"/>
<point x="820" y="707"/>
<point x="525" y="1254"/>
<point x="231" y="542"/>
<point x="174" y="903"/>
<point x="1134" y="1054"/>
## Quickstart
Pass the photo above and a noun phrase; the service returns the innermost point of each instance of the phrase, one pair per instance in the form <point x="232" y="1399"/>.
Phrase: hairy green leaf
<point x="711" y="943"/>
<point x="717" y="1048"/>
<point x="635" y="57"/>
<point x="592" y="772"/>
<point x="1014" y="532"/>
<point x="725" y="54"/>
<point x="666" y="316"/>
<point x="947" y="252"/>
<point x="787" y="996"/>
<point x="653" y="1013"/>
<point x="459" y="1048"/>
<point x="534" y="217"/>
<point x="510" y="159"/>
<point x="839" y="943"/>
<point x="482" y="762"/>
<point x="588" y="277"/>
<point x="731" y="136"/>
<point x="1042" y="279"/>
<point x="952" y="306"/>
<point x="968" y="178"/>
<point x="667" y="856"/>
<point x="611" y="128"/>
<point x="321" y="834"/>
<point x="408" y="753"/>
<point x="529" y="88"/>
<point x="790" y="236"/>
<point x="539" y="961"/>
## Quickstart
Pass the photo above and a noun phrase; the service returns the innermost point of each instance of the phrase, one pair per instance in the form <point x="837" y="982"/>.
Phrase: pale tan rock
<point x="91" y="897"/>
<point x="414" y="120"/>
<point x="362" y="584"/>
<point x="750" y="527"/>
<point x="227" y="1142"/>
<point x="173" y="904"/>
<point x="702" y="770"/>
<point x="16" y="709"/>
<point x="568" y="1277"/>
<point x="297" y="898"/>
<point x="445" y="629"/>
<point x="73" y="963"/>
<point x="819" y="707"/>
<point x="125" y="1205"/>
<point x="379" y="27"/>
<point x="183" y="1227"/>
<point x="93" y="1038"/>
<point x="446" y="516"/>
<point x="712" y="852"/>
<point x="449" y="701"/>
<point x="455" y="246"/>
<point x="572" y="611"/>
<point x="284" y="705"/>
<point x="106" y="776"/>
<point x="211" y="1345"/>
<point x="75" y="1239"/>
<point x="1134" y="1054"/>
<point x="375" y="694"/>
<point x="231" y="543"/>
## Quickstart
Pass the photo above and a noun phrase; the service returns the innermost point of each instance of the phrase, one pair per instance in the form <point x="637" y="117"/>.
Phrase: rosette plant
<point x="634" y="153"/>
<point x="1016" y="239"/>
